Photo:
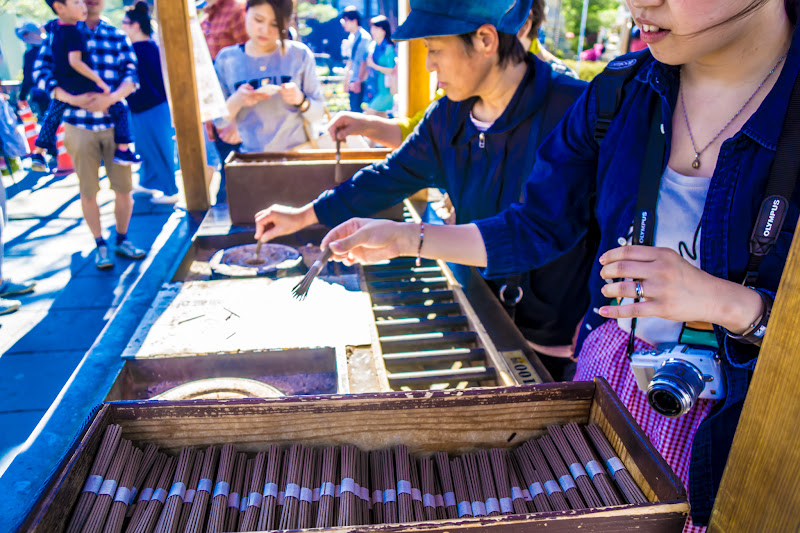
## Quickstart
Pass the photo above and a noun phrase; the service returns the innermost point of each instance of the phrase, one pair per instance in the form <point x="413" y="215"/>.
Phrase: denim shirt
<point x="575" y="183"/>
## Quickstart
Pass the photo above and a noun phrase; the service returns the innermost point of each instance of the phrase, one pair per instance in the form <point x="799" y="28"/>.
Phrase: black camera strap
<point x="644" y="223"/>
<point x="783" y="176"/>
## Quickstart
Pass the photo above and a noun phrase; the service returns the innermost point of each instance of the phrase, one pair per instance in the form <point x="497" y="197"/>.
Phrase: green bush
<point x="589" y="69"/>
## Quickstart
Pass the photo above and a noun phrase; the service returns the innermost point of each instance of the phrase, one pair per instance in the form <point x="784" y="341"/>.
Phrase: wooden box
<point x="256" y="181"/>
<point x="454" y="421"/>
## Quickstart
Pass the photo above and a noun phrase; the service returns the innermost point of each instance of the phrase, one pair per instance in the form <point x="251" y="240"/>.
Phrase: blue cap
<point x="30" y="33"/>
<point x="432" y="18"/>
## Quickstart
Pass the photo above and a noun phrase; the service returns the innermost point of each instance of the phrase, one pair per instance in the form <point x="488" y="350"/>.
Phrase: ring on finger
<point x="639" y="291"/>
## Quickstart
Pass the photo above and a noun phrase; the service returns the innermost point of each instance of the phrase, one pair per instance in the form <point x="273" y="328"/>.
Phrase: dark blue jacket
<point x="483" y="174"/>
<point x="571" y="169"/>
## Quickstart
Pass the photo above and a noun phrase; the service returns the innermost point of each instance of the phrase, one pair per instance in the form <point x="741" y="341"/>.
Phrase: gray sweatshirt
<point x="271" y="125"/>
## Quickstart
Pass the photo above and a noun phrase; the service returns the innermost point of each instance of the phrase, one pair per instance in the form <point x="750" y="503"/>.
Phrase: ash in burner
<point x="241" y="261"/>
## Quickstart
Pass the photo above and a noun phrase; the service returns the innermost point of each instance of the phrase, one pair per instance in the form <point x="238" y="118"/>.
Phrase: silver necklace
<point x="697" y="153"/>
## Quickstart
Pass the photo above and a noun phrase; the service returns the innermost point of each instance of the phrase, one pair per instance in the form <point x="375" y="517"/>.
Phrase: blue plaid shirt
<point x="113" y="59"/>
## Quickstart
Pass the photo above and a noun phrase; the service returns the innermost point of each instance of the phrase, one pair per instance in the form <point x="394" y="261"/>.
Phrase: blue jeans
<point x="356" y="99"/>
<point x="156" y="147"/>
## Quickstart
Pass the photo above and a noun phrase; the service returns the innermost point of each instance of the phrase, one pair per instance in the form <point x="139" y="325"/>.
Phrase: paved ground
<point x="47" y="241"/>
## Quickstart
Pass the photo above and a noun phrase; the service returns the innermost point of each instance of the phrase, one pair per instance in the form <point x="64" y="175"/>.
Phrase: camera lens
<point x="675" y="387"/>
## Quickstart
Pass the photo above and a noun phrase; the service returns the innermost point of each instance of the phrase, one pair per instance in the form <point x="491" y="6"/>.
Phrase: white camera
<point x="675" y="376"/>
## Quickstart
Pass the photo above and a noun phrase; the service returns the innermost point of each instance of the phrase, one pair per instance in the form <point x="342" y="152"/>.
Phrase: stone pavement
<point x="47" y="241"/>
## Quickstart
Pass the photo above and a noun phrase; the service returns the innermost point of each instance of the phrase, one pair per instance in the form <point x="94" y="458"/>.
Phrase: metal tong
<point x="301" y="289"/>
<point x="337" y="173"/>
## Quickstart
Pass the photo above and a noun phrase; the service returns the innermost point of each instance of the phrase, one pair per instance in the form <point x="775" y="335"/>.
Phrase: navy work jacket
<point x="572" y="173"/>
<point x="483" y="173"/>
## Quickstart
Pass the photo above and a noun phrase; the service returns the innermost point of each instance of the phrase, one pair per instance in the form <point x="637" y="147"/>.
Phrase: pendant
<point x="696" y="162"/>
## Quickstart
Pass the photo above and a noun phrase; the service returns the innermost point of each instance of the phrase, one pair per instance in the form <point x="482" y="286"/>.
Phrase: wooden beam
<point x="760" y="488"/>
<point x="176" y="39"/>
<point x="415" y="80"/>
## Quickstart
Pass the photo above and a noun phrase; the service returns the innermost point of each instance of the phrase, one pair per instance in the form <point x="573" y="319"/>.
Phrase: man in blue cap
<point x="32" y="36"/>
<point x="478" y="143"/>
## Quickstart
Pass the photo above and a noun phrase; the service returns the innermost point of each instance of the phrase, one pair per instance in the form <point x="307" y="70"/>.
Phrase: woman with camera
<point x="270" y="82"/>
<point x="680" y="168"/>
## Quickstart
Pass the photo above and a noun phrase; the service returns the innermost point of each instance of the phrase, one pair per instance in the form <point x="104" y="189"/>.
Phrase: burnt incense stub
<point x="273" y="260"/>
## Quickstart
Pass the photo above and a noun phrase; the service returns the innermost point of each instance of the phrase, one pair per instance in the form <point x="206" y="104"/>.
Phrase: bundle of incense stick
<point x="153" y="508"/>
<point x="253" y="508"/>
<point x="441" y="512"/>
<point x="282" y="486"/>
<point x="464" y="505"/>
<point x="202" y="495"/>
<point x="124" y="495"/>
<point x="219" y="498"/>
<point x="403" y="470"/>
<point x="534" y="479"/>
<point x="191" y="489"/>
<point x="590" y="496"/>
<point x="624" y="480"/>
<point x="487" y="484"/>
<point x="426" y="477"/>
<point x="97" y="516"/>
<point x="561" y="472"/>
<point x="148" y="458"/>
<point x="348" y="514"/>
<point x="248" y="472"/>
<point x="309" y="461"/>
<point x="108" y="446"/>
<point x="553" y="490"/>
<point x="327" y="487"/>
<point x="170" y="516"/>
<point x="291" y="497"/>
<point x="416" y="493"/>
<point x="596" y="472"/>
<point x="474" y="487"/>
<point x="443" y="468"/>
<point x="148" y="486"/>
<point x="268" y="517"/>
<point x="502" y="480"/>
<point x="389" y="488"/>
<point x="316" y="486"/>
<point x="364" y="482"/>
<point x="234" y="500"/>
<point x="517" y="488"/>
<point x="376" y="476"/>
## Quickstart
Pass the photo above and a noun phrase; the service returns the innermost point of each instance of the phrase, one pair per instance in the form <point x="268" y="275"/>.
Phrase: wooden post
<point x="176" y="38"/>
<point x="760" y="488"/>
<point x="415" y="80"/>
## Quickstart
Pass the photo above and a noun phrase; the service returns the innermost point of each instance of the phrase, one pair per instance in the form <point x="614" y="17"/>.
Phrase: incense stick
<point x="327" y="487"/>
<point x="170" y="515"/>
<point x="443" y="468"/>
<point x="587" y="491"/>
<point x="291" y="498"/>
<point x="105" y="497"/>
<point x="245" y="492"/>
<point x="598" y="475"/>
<point x="416" y="493"/>
<point x="124" y="495"/>
<point x="148" y="458"/>
<point x="502" y="480"/>
<point x="234" y="499"/>
<point x="102" y="460"/>
<point x="253" y="508"/>
<point x="517" y="487"/>
<point x="625" y="482"/>
<point x="464" y="504"/>
<point x="219" y="498"/>
<point x="148" y="487"/>
<point x="156" y="503"/>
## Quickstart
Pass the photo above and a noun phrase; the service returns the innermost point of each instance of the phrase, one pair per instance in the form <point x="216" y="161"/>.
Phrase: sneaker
<point x="8" y="306"/>
<point x="10" y="288"/>
<point x="126" y="158"/>
<point x="38" y="163"/>
<point x="128" y="250"/>
<point x="138" y="189"/>
<point x="102" y="259"/>
<point x="164" y="199"/>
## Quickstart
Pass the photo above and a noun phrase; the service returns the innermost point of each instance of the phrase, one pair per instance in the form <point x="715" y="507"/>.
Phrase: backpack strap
<point x="610" y="88"/>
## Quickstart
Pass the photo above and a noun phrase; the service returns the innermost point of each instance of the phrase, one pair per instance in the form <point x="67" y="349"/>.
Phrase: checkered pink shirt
<point x="223" y="25"/>
<point x="604" y="354"/>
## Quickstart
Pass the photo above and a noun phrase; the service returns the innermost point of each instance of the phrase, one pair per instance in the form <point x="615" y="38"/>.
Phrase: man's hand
<point x="101" y="103"/>
<point x="354" y="87"/>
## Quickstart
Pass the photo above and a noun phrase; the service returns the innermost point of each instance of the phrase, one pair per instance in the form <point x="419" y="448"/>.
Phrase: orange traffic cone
<point x="63" y="159"/>
<point x="30" y="125"/>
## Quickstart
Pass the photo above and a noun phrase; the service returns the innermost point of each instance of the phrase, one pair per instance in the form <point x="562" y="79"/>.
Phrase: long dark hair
<point x="792" y="10"/>
<point x="283" y="13"/>
<point x="383" y="23"/>
<point x="140" y="14"/>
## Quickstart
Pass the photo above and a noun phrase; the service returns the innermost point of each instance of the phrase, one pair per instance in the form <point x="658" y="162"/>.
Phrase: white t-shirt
<point x="479" y="124"/>
<point x="678" y="214"/>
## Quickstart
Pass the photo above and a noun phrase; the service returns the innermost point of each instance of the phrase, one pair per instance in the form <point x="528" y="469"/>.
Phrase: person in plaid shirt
<point x="89" y="129"/>
<point x="223" y="24"/>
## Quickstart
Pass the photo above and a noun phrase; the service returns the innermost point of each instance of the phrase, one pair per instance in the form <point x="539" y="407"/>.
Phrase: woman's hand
<point x="247" y="96"/>
<point x="366" y="240"/>
<point x="292" y="94"/>
<point x="674" y="289"/>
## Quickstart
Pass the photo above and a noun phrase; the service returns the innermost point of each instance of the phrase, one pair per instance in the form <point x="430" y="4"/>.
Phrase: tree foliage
<point x="37" y="10"/>
<point x="602" y="13"/>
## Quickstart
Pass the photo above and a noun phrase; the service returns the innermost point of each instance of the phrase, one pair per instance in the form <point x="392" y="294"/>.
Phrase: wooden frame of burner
<point x="451" y="421"/>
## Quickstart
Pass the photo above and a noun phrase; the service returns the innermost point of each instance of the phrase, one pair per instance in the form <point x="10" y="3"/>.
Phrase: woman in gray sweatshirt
<point x="270" y="83"/>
